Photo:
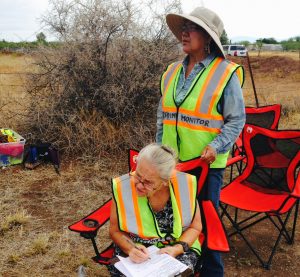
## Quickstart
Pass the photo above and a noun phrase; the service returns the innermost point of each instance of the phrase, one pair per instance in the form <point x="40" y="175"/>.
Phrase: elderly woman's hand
<point x="139" y="254"/>
<point x="173" y="251"/>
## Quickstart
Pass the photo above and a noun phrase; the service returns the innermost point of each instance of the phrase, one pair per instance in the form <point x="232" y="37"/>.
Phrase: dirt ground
<point x="36" y="207"/>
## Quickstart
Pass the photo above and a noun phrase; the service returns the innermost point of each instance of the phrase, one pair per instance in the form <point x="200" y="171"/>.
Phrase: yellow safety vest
<point x="191" y="126"/>
<point x="136" y="216"/>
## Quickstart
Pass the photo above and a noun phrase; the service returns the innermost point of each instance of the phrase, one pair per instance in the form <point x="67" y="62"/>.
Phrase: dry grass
<point x="13" y="79"/>
<point x="20" y="218"/>
<point x="37" y="206"/>
<point x="293" y="55"/>
<point x="40" y="244"/>
<point x="13" y="69"/>
<point x="277" y="80"/>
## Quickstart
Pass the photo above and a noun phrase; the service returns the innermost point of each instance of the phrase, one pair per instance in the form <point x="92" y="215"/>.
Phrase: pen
<point x="132" y="243"/>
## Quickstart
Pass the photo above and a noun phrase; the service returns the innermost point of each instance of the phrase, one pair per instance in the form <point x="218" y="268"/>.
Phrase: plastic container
<point x="11" y="152"/>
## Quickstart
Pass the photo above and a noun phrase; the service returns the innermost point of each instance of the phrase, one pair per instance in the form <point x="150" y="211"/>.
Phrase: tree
<point x="224" y="38"/>
<point x="291" y="44"/>
<point x="269" y="41"/>
<point x="41" y="38"/>
<point x="245" y="43"/>
<point x="100" y="86"/>
<point x="259" y="45"/>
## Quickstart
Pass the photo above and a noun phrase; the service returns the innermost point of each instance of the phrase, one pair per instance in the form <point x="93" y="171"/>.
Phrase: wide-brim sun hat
<point x="205" y="18"/>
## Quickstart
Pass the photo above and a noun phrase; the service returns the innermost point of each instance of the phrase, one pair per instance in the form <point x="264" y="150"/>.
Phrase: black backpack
<point x="40" y="152"/>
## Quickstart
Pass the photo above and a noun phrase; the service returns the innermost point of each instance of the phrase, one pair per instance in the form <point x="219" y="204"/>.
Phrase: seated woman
<point x="156" y="205"/>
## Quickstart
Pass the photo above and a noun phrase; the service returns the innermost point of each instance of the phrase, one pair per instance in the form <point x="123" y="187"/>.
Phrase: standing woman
<point x="201" y="111"/>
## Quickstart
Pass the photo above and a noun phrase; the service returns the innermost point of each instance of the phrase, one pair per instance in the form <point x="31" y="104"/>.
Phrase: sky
<point x="19" y="19"/>
<point x="255" y="18"/>
<point x="252" y="19"/>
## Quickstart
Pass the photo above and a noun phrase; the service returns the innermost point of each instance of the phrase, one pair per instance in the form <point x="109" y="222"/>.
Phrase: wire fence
<point x="6" y="84"/>
<point x="17" y="82"/>
<point x="15" y="99"/>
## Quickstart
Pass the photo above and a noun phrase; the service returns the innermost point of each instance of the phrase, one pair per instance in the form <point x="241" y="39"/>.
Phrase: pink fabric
<point x="13" y="150"/>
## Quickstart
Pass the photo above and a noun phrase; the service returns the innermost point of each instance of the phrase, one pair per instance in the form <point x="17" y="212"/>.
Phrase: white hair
<point x="162" y="157"/>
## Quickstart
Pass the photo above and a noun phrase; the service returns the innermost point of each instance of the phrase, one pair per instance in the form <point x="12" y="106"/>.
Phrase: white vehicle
<point x="235" y="50"/>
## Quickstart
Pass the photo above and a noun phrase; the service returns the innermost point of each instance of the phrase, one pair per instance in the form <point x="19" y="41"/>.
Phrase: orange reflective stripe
<point x="169" y="122"/>
<point x="169" y="68"/>
<point x="136" y="210"/>
<point x="177" y="195"/>
<point x="122" y="206"/>
<point x="193" y="127"/>
<point x="203" y="115"/>
<point x="169" y="109"/>
<point x="172" y="76"/>
<point x="216" y="92"/>
<point x="207" y="80"/>
<point x="191" y="191"/>
<point x="171" y="79"/>
<point x="166" y="73"/>
<point x="240" y="75"/>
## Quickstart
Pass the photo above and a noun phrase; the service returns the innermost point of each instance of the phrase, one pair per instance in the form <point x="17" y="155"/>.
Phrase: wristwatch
<point x="185" y="246"/>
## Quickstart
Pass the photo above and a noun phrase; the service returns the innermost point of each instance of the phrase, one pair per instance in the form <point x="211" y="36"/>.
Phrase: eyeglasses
<point x="189" y="27"/>
<point x="165" y="148"/>
<point x="147" y="184"/>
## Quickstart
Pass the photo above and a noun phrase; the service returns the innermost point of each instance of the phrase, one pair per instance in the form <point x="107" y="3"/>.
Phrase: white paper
<point x="160" y="265"/>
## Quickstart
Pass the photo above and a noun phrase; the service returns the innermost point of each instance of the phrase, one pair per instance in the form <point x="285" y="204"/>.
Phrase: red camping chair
<point x="266" y="117"/>
<point x="269" y="186"/>
<point x="215" y="237"/>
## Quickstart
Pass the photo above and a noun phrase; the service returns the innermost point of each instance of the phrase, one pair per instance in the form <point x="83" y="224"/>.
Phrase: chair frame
<point x="287" y="205"/>
<point x="238" y="157"/>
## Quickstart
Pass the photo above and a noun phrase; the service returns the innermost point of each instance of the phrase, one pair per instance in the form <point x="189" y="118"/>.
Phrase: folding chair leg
<point x="223" y="207"/>
<point x="282" y="231"/>
<point x="249" y="225"/>
<point x="95" y="247"/>
<point x="288" y="236"/>
<point x="239" y="231"/>
<point x="236" y="215"/>
<point x="295" y="220"/>
<point x="285" y="232"/>
<point x="240" y="168"/>
<point x="231" y="173"/>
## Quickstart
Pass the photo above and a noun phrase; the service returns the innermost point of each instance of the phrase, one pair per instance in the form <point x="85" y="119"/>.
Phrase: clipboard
<point x="159" y="265"/>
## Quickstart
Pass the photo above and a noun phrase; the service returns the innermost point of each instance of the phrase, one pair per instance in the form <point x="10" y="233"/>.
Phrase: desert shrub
<point x="98" y="91"/>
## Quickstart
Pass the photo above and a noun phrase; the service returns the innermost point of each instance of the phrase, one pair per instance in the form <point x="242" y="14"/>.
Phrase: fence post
<point x="252" y="80"/>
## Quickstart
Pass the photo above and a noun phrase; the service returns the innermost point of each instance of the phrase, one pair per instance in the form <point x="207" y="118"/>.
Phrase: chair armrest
<point x="92" y="222"/>
<point x="294" y="171"/>
<point x="216" y="237"/>
<point x="234" y="160"/>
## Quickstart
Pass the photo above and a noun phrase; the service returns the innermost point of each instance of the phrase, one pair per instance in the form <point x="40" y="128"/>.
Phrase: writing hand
<point x="209" y="154"/>
<point x="139" y="254"/>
